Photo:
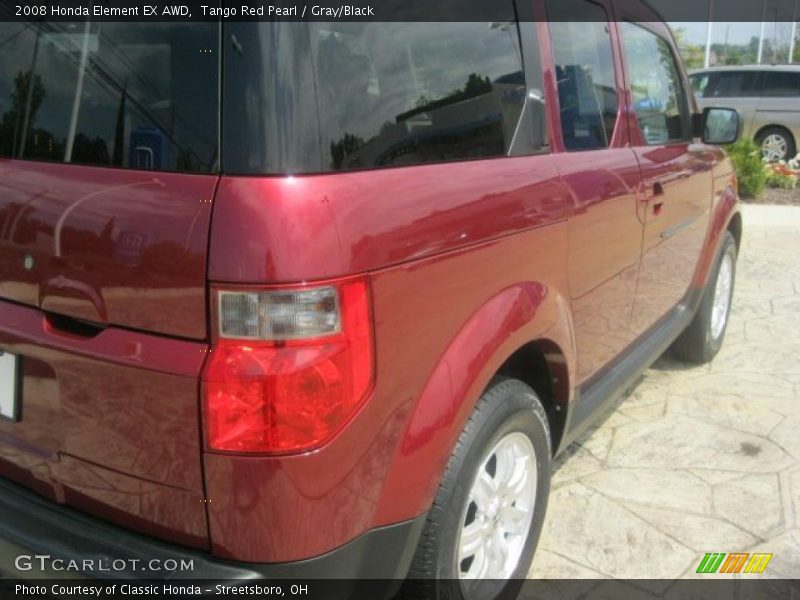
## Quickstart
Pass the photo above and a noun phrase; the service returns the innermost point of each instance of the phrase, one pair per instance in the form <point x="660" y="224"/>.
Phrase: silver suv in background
<point x="767" y="98"/>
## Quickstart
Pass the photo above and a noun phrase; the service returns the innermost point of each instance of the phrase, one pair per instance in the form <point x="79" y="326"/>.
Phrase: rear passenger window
<point x="130" y="95"/>
<point x="387" y="94"/>
<point x="395" y="94"/>
<point x="780" y="84"/>
<point x="658" y="95"/>
<point x="587" y="89"/>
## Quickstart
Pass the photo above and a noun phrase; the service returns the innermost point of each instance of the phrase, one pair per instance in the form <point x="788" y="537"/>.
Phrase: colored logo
<point x="735" y="562"/>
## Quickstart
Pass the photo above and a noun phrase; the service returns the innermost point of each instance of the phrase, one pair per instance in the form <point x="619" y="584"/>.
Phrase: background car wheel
<point x="484" y="525"/>
<point x="776" y="144"/>
<point x="702" y="340"/>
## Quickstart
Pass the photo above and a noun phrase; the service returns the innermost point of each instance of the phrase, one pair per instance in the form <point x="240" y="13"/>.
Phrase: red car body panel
<point x="109" y="422"/>
<point x="110" y="413"/>
<point x="110" y="246"/>
<point x="293" y="229"/>
<point x="341" y="488"/>
<point x="467" y="262"/>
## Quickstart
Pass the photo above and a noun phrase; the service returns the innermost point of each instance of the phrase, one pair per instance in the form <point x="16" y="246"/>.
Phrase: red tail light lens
<point x="289" y="367"/>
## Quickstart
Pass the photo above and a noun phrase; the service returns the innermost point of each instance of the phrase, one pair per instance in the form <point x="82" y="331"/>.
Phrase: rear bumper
<point x="45" y="528"/>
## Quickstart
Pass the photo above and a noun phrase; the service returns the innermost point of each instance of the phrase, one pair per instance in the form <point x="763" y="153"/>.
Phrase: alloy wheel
<point x="722" y="297"/>
<point x="500" y="507"/>
<point x="774" y="147"/>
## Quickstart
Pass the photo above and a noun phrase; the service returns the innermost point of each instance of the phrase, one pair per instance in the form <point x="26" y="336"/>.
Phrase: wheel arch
<point x="526" y="332"/>
<point x="735" y="227"/>
<point x="726" y="217"/>
<point x="542" y="365"/>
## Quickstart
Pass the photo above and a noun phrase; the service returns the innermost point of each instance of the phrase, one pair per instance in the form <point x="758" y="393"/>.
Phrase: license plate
<point x="9" y="386"/>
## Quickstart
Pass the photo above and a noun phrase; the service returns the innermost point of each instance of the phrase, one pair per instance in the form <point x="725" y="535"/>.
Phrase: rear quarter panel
<point x="467" y="263"/>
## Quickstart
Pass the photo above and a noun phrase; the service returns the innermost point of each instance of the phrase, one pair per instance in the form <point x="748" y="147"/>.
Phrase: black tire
<point x="697" y="344"/>
<point x="508" y="406"/>
<point x="791" y="148"/>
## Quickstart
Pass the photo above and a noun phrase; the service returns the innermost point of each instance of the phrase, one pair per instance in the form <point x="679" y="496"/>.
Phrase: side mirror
<point x="718" y="126"/>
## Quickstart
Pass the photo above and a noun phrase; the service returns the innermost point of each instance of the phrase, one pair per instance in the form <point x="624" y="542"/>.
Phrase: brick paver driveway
<point x="702" y="459"/>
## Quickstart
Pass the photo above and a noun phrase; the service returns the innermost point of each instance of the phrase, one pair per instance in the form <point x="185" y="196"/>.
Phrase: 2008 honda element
<point x="325" y="299"/>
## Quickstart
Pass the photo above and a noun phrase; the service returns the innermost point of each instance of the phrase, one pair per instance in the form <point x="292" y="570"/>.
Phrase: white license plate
<point x="9" y="386"/>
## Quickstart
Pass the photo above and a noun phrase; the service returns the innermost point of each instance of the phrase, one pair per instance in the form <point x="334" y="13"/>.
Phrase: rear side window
<point x="305" y="97"/>
<point x="781" y="84"/>
<point x="732" y="84"/>
<point x="657" y="89"/>
<point x="130" y="95"/>
<point x="587" y="89"/>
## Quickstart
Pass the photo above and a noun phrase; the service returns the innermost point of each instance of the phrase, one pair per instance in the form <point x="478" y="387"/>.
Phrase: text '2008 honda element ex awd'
<point x="325" y="299"/>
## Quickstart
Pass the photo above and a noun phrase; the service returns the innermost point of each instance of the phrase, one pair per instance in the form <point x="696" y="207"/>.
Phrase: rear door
<point x="108" y="160"/>
<point x="595" y="161"/>
<point x="676" y="172"/>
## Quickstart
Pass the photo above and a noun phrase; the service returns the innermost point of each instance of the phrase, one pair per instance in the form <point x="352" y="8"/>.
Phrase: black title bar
<point x="384" y="10"/>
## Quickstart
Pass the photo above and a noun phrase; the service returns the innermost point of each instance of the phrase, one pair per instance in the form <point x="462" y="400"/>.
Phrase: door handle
<point x="650" y="191"/>
<point x="656" y="194"/>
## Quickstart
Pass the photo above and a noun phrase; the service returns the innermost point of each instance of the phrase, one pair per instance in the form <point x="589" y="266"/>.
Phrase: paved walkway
<point x="702" y="459"/>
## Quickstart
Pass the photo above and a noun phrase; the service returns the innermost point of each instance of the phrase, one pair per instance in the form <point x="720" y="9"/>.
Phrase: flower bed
<point x="783" y="175"/>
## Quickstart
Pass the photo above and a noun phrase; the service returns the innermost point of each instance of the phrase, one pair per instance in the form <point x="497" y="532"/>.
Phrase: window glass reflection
<point x="656" y="86"/>
<point x="587" y="89"/>
<point x="346" y="96"/>
<point x="132" y="95"/>
<point x="395" y="94"/>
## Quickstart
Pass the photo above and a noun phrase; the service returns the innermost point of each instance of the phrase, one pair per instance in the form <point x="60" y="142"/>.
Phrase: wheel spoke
<point x="484" y="490"/>
<point x="498" y="558"/>
<point x="519" y="478"/>
<point x="472" y="538"/>
<point x="478" y="566"/>
<point x="504" y="461"/>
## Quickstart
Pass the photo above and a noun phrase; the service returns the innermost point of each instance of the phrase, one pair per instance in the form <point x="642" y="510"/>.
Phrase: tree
<point x="11" y="123"/>
<point x="693" y="56"/>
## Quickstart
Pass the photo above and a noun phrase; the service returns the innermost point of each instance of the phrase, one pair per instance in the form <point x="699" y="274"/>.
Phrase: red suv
<point x="325" y="299"/>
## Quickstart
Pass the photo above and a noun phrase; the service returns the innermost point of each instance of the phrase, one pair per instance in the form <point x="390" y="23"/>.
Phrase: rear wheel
<point x="776" y="144"/>
<point x="703" y="339"/>
<point x="482" y="530"/>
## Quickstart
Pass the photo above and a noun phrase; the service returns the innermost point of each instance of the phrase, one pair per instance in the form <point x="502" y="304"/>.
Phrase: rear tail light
<point x="289" y="366"/>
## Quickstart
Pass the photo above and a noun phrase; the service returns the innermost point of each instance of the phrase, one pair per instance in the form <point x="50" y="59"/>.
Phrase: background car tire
<point x="507" y="409"/>
<point x="702" y="340"/>
<point x="777" y="135"/>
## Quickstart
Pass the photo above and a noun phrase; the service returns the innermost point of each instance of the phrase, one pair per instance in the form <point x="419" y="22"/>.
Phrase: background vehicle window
<point x="658" y="96"/>
<point x="700" y="83"/>
<point x="131" y="95"/>
<point x="732" y="84"/>
<point x="781" y="84"/>
<point x="587" y="89"/>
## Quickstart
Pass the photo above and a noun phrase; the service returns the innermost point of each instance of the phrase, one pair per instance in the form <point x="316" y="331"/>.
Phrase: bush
<point x="746" y="157"/>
